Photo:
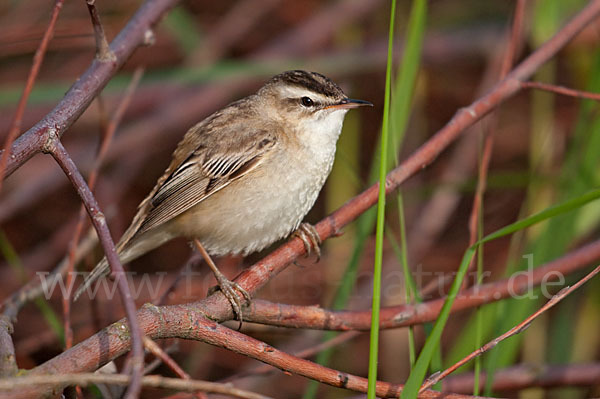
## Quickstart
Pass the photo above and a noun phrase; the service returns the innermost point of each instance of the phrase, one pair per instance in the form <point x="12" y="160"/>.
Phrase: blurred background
<point x="209" y="53"/>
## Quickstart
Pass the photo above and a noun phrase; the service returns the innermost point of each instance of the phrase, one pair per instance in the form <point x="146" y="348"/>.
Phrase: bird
<point x="244" y="177"/>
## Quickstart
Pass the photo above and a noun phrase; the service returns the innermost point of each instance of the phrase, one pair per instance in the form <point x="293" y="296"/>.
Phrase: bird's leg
<point x="310" y="237"/>
<point x="227" y="286"/>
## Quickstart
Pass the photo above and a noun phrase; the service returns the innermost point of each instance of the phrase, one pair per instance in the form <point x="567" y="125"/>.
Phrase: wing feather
<point x="198" y="177"/>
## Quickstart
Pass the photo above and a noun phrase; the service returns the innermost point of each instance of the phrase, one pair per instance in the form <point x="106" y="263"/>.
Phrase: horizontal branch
<point x="315" y="317"/>
<point x="188" y="322"/>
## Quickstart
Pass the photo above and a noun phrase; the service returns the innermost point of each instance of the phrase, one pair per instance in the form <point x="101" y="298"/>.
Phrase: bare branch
<point x="61" y="156"/>
<point x="107" y="136"/>
<point x="565" y="91"/>
<point x="527" y="376"/>
<point x="165" y="358"/>
<point x="189" y="322"/>
<point x="315" y="317"/>
<point x="306" y="353"/>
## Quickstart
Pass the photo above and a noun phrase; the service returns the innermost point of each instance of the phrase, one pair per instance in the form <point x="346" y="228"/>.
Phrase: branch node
<point x="103" y="51"/>
<point x="51" y="138"/>
<point x="149" y="38"/>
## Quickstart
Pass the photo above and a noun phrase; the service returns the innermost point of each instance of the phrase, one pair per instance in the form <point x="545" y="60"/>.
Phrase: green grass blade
<point x="402" y="96"/>
<point x="374" y="336"/>
<point x="567" y="206"/>
<point x="402" y="99"/>
<point x="417" y="376"/>
<point x="400" y="107"/>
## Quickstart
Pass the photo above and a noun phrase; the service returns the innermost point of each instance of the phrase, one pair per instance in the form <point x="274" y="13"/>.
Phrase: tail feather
<point x="102" y="269"/>
<point x="128" y="250"/>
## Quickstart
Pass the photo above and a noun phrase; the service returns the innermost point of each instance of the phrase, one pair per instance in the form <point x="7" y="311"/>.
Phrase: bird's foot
<point x="310" y="237"/>
<point x="228" y="288"/>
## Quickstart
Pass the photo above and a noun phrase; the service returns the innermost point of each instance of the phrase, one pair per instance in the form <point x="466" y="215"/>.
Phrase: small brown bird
<point x="245" y="176"/>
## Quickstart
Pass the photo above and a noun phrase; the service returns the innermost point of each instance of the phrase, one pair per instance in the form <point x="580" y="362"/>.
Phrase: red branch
<point x="33" y="72"/>
<point x="527" y="376"/>
<point x="107" y="135"/>
<point x="189" y="322"/>
<point x="565" y="91"/>
<point x="102" y="49"/>
<point x="315" y="317"/>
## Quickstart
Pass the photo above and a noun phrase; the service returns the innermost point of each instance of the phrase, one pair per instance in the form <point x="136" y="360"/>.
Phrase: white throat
<point x="321" y="134"/>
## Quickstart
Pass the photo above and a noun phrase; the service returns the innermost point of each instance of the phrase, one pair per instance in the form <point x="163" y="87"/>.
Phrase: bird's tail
<point x="102" y="269"/>
<point x="128" y="250"/>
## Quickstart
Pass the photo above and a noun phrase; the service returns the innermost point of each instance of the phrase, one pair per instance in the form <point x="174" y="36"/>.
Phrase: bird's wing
<point x="200" y="175"/>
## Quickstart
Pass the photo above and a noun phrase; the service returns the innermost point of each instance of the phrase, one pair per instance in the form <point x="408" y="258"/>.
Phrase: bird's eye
<point x="307" y="101"/>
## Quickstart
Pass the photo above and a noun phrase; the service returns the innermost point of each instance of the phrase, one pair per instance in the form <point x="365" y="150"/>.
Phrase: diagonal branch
<point x="258" y="275"/>
<point x="88" y="86"/>
<point x="565" y="91"/>
<point x="562" y="294"/>
<point x="61" y="156"/>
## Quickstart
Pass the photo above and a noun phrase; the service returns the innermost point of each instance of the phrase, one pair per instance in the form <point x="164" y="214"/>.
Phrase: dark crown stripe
<point x="312" y="81"/>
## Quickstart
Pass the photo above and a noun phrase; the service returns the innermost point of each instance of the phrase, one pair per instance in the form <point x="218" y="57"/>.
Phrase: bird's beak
<point x="349" y="103"/>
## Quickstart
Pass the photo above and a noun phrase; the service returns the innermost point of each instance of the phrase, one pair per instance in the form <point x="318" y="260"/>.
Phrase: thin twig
<point x="565" y="91"/>
<point x="103" y="51"/>
<point x="153" y="381"/>
<point x="38" y="57"/>
<point x="99" y="222"/>
<point x="165" y="358"/>
<point x="488" y="146"/>
<point x="513" y="331"/>
<point x="525" y="376"/>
